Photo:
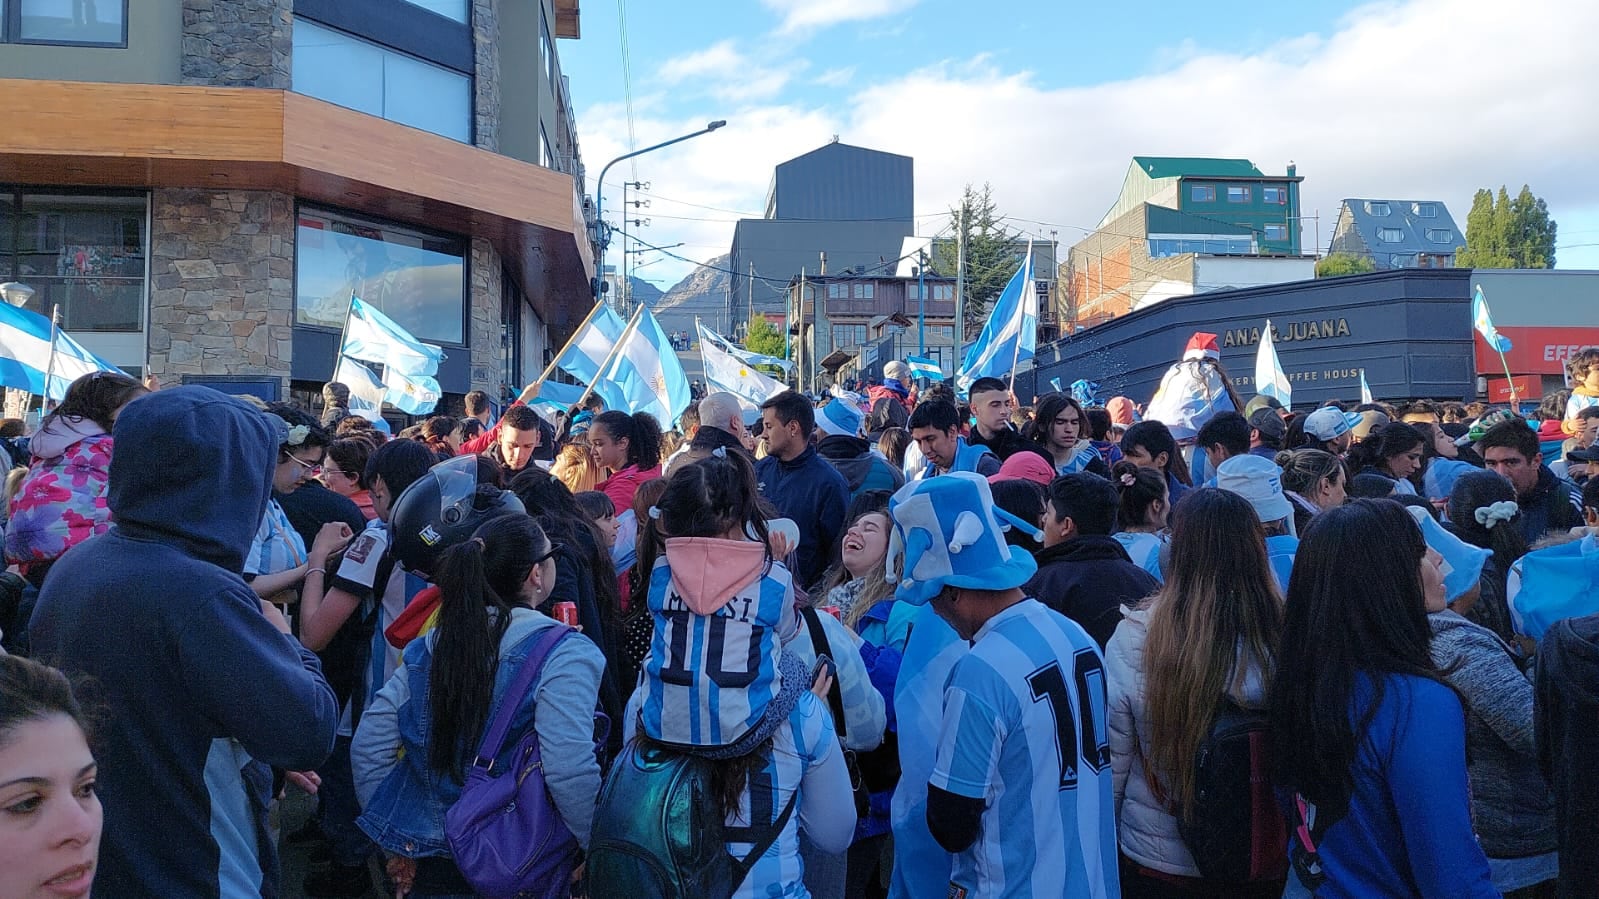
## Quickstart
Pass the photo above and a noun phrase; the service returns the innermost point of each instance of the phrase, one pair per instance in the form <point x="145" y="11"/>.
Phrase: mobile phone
<point x="824" y="663"/>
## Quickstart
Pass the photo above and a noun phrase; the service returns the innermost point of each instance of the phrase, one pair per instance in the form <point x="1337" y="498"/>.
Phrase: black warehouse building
<point x="1410" y="330"/>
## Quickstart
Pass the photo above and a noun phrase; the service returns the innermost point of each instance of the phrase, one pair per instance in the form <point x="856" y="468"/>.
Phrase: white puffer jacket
<point x="1145" y="827"/>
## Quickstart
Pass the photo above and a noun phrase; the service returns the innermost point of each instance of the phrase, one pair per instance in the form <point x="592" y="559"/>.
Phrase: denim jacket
<point x="403" y="799"/>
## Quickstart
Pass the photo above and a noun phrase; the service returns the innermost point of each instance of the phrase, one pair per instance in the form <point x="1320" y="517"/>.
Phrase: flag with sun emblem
<point x="725" y="371"/>
<point x="645" y="374"/>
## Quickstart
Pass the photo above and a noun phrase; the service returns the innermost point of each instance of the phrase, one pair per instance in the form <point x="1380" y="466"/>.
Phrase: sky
<point x="1049" y="102"/>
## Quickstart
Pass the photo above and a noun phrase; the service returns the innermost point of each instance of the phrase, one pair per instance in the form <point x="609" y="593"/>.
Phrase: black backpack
<point x="1235" y="830"/>
<point x="886" y="413"/>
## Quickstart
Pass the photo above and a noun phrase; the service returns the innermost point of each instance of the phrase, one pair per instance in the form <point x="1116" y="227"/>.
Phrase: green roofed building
<point x="1184" y="225"/>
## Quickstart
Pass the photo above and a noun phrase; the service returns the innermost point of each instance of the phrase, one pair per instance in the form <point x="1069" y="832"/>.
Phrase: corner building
<point x="202" y="185"/>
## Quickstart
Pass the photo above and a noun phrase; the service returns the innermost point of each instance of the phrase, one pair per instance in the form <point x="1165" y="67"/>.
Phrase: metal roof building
<point x="1398" y="233"/>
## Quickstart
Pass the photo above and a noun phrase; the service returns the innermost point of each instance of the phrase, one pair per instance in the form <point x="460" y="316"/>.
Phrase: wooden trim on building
<point x="568" y="19"/>
<point x="170" y="136"/>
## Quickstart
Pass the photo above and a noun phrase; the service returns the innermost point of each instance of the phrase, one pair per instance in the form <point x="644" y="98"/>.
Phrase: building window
<point x="1377" y="209"/>
<point x="1163" y="247"/>
<point x="546" y="50"/>
<point x="944" y="292"/>
<point x="838" y="291"/>
<point x="1425" y="210"/>
<point x="863" y="290"/>
<point x="1277" y="195"/>
<point x="846" y="336"/>
<point x="1440" y="235"/>
<point x="1399" y="260"/>
<point x="546" y="154"/>
<point x="96" y="23"/>
<point x="340" y="68"/>
<point x="1238" y="193"/>
<point x="1201" y="193"/>
<point x="1390" y="235"/>
<point x="454" y="10"/>
<point x="82" y="252"/>
<point x="1276" y="232"/>
<point x="417" y="279"/>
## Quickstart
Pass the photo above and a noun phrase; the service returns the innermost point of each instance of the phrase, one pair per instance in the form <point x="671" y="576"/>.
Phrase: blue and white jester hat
<point x="949" y="533"/>
<point x="1462" y="562"/>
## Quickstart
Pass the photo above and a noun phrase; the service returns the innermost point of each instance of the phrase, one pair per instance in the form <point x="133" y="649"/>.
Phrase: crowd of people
<point x="901" y="643"/>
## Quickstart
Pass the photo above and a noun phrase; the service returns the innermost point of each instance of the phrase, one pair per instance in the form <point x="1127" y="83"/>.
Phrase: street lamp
<point x="16" y="293"/>
<point x="599" y="189"/>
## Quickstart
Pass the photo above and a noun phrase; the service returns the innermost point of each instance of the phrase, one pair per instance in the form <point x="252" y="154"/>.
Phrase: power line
<point x="627" y="80"/>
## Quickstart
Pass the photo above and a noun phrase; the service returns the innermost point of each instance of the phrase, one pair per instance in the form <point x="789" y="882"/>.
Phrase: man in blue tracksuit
<point x="935" y="426"/>
<point x="203" y="690"/>
<point x="801" y="484"/>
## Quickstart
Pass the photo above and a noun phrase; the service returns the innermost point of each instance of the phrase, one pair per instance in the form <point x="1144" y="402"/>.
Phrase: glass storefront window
<point x="71" y="21"/>
<point x="417" y="279"/>
<point x="84" y="253"/>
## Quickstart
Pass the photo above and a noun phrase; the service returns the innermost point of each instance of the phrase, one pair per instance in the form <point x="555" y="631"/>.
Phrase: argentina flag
<point x="1269" y="377"/>
<point x="371" y="336"/>
<point x="645" y="374"/>
<point x="25" y="344"/>
<point x="1011" y="334"/>
<point x="586" y="352"/>
<point x="923" y="367"/>
<point x="1485" y="323"/>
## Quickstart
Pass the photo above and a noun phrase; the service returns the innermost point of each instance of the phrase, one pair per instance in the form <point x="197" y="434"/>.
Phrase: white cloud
<point x="725" y="73"/>
<point x="835" y="77"/>
<point x="1398" y="100"/>
<point x="805" y="15"/>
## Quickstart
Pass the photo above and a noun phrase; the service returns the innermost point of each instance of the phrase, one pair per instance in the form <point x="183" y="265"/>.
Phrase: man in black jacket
<point x="1083" y="573"/>
<point x="1548" y="503"/>
<point x="991" y="407"/>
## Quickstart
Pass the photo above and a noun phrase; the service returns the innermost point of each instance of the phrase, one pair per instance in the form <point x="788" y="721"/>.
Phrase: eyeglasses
<point x="554" y="548"/>
<point x="312" y="469"/>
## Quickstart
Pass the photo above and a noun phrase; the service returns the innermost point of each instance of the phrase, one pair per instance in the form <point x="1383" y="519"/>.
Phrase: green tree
<point x="765" y="338"/>
<point x="1337" y="265"/>
<point x="992" y="251"/>
<point x="1502" y="232"/>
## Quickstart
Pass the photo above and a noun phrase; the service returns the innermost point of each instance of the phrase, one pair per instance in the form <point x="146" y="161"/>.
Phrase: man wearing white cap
<point x="1260" y="482"/>
<point x="1328" y="428"/>
<point x="1021" y="786"/>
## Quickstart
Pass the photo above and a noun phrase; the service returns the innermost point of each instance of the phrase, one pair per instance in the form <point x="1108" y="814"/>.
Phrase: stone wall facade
<point x="237" y="43"/>
<point x="221" y="283"/>
<point x="485" y="294"/>
<point x="486" y="83"/>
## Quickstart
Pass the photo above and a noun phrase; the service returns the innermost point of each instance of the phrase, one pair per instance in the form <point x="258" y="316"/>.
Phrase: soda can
<point x="835" y="611"/>
<point x="566" y="613"/>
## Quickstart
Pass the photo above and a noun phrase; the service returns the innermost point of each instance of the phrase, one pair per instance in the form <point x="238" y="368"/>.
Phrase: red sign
<point x="1527" y="388"/>
<point x="1541" y="351"/>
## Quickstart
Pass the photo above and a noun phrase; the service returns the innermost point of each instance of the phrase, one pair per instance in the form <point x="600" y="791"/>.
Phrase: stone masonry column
<point x="221" y="283"/>
<point x="484" y="294"/>
<point x="237" y="43"/>
<point x="486" y="86"/>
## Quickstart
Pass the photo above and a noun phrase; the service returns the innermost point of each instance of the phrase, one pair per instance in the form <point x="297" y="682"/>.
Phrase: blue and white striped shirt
<point x="921" y="866"/>
<point x="1144" y="549"/>
<point x="277" y="545"/>
<point x="1025" y="730"/>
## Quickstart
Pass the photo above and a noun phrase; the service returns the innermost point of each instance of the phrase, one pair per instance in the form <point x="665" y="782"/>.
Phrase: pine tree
<point x="1502" y="232"/>
<point x="992" y="251"/>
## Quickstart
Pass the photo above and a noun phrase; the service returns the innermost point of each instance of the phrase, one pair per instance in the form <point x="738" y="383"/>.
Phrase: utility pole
<point x="799" y="350"/>
<point x="960" y="287"/>
<point x="921" y="312"/>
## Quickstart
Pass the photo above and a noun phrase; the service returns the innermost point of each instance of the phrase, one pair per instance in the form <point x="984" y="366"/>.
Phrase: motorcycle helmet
<point x="442" y="508"/>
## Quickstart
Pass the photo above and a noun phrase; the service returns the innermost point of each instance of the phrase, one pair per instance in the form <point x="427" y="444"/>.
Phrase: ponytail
<point x="484" y="572"/>
<point x="1139" y="489"/>
<point x="642" y="432"/>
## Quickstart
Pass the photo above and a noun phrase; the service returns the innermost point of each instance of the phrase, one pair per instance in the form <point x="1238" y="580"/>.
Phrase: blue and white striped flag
<point x="411" y="394"/>
<point x="25" y="354"/>
<point x="371" y="336"/>
<point x="1269" y="377"/>
<point x="1365" y="389"/>
<point x="366" y="391"/>
<point x="589" y="348"/>
<point x="1011" y="334"/>
<point x="726" y="371"/>
<point x="555" y="397"/>
<point x="1485" y="324"/>
<point x="645" y="374"/>
<point x="734" y="349"/>
<point x="923" y="367"/>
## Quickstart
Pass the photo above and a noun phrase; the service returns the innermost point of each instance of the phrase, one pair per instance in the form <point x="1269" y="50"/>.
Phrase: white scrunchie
<point x="1490" y="515"/>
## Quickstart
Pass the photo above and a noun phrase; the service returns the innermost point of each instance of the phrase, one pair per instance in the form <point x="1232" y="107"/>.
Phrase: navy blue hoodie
<point x="199" y="688"/>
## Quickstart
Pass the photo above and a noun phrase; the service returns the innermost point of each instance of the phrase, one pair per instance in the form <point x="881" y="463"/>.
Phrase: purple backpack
<point x="505" y="834"/>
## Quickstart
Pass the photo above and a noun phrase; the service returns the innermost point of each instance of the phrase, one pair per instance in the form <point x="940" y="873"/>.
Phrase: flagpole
<point x="605" y="367"/>
<point x="562" y="354"/>
<point x="50" y="367"/>
<point x="1510" y="381"/>
<point x="1021" y="312"/>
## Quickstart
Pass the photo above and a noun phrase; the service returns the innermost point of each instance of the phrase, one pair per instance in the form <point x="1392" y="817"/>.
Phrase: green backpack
<point x="656" y="832"/>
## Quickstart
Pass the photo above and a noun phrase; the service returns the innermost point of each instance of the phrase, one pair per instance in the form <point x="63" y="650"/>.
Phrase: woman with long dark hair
<point x="1393" y="450"/>
<point x="1368" y="741"/>
<point x="1150" y="444"/>
<point x="1062" y="427"/>
<point x="414" y="743"/>
<point x="1483" y="511"/>
<point x="772" y="738"/>
<point x="62" y="498"/>
<point x="1211" y="634"/>
<point x="628" y="449"/>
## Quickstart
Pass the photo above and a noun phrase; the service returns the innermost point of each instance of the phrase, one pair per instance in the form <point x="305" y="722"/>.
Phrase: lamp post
<point x="599" y="191"/>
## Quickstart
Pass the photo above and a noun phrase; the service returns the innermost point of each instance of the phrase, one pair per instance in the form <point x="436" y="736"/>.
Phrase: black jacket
<point x="1088" y="579"/>
<point x="1566" y="706"/>
<point x="1553" y="505"/>
<point x="862" y="469"/>
<point x="1007" y="443"/>
<point x="709" y="437"/>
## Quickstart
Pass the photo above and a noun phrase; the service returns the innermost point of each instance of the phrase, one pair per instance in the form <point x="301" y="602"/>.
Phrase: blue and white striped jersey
<point x="277" y="545"/>
<point x="1144" y="549"/>
<point x="709" y="678"/>
<point x="1025" y="730"/>
<point x="921" y="866"/>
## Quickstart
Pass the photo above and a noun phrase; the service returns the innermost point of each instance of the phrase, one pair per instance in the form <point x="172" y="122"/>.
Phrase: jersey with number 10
<point x="1025" y="730"/>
